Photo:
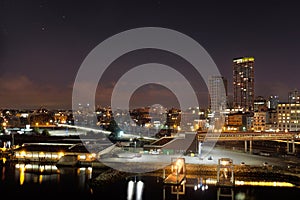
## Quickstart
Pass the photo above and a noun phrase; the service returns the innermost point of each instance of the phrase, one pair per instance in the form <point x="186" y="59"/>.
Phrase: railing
<point x="246" y="136"/>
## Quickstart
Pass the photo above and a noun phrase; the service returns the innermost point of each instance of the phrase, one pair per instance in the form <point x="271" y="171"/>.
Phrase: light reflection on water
<point x="29" y="172"/>
<point x="195" y="188"/>
<point x="48" y="180"/>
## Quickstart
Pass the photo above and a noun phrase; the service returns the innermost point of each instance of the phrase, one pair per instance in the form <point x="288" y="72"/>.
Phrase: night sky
<point x="43" y="43"/>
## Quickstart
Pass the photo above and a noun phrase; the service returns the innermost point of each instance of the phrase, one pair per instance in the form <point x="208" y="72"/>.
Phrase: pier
<point x="178" y="172"/>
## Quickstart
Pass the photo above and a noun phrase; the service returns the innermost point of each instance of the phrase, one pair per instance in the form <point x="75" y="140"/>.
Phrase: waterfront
<point x="93" y="180"/>
<point x="38" y="181"/>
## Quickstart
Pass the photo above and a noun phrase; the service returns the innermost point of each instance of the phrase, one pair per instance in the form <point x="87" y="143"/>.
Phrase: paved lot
<point x="215" y="154"/>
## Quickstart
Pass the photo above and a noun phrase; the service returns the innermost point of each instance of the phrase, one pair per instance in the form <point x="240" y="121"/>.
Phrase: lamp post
<point x="199" y="148"/>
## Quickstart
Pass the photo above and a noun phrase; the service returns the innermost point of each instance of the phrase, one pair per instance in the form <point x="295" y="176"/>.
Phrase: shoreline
<point x="241" y="173"/>
<point x="104" y="173"/>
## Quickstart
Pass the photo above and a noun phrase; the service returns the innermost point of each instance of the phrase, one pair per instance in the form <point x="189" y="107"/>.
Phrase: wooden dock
<point x="174" y="179"/>
<point x="178" y="172"/>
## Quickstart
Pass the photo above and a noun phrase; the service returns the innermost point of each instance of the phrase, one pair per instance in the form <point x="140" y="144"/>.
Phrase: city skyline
<point x="43" y="44"/>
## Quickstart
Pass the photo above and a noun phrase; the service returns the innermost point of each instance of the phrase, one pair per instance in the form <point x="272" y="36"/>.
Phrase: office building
<point x="217" y="93"/>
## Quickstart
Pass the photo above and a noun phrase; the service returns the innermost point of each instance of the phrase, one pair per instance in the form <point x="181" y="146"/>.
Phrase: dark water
<point x="46" y="181"/>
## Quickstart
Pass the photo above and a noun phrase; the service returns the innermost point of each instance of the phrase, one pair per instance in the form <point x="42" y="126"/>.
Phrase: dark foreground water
<point x="47" y="181"/>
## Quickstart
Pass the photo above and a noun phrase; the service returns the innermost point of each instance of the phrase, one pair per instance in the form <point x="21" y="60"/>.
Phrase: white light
<point x="121" y="133"/>
<point x="130" y="190"/>
<point x="139" y="190"/>
<point x="195" y="187"/>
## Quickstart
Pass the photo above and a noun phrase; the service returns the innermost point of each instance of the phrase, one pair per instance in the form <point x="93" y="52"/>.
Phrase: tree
<point x="36" y="130"/>
<point x="113" y="127"/>
<point x="45" y="132"/>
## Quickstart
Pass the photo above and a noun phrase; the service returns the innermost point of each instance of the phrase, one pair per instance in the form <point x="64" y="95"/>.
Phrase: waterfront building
<point x="51" y="152"/>
<point x="288" y="116"/>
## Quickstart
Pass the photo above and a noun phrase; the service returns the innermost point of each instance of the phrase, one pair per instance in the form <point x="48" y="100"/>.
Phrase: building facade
<point x="288" y="116"/>
<point x="294" y="96"/>
<point x="217" y="93"/>
<point x="243" y="83"/>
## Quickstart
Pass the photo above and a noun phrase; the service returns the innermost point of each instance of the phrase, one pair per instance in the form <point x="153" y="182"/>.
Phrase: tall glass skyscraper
<point x="243" y="83"/>
<point x="217" y="93"/>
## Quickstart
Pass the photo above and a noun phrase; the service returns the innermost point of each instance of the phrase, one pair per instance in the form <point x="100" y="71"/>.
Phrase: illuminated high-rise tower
<point x="243" y="83"/>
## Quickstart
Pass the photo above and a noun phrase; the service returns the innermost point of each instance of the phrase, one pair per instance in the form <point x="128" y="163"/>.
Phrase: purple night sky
<point x="43" y="43"/>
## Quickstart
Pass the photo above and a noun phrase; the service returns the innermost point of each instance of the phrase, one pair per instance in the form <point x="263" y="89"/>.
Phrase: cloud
<point x="21" y="92"/>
